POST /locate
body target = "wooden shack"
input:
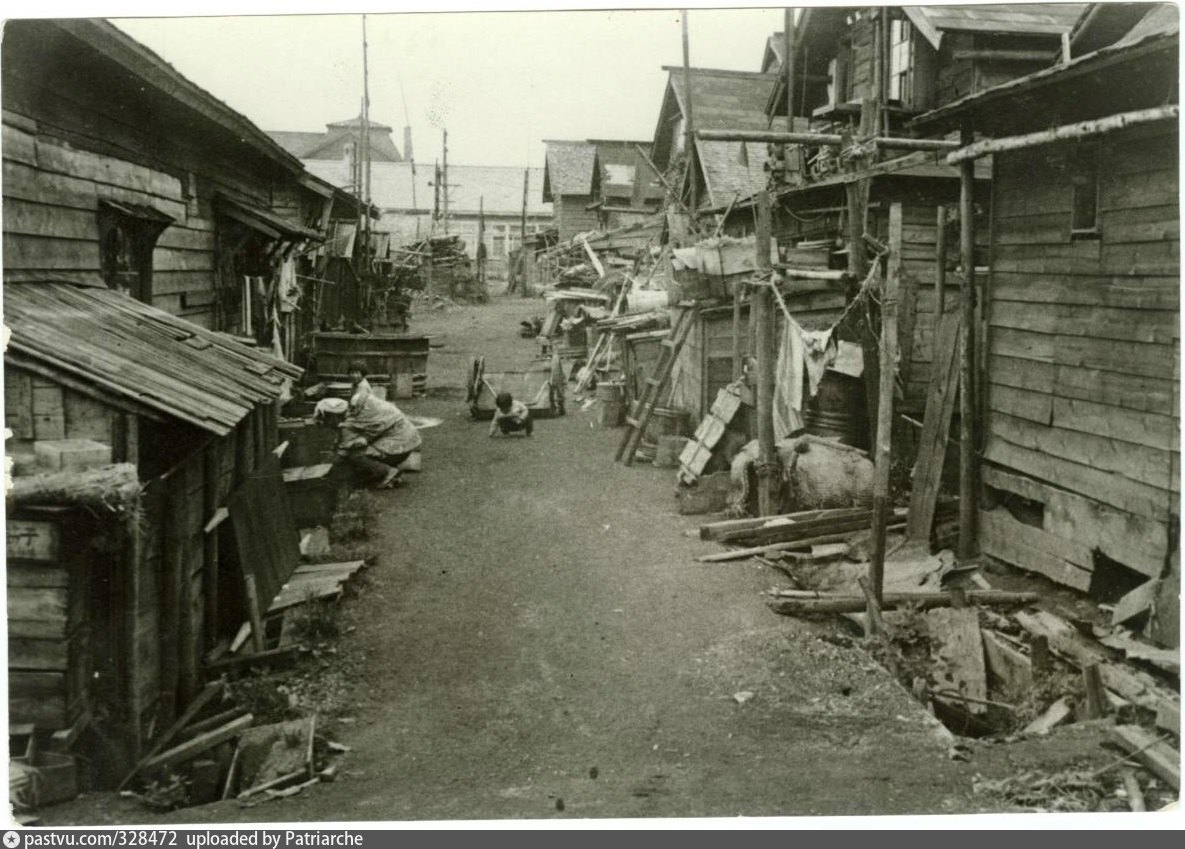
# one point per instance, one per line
(146, 226)
(112, 610)
(570, 183)
(1081, 404)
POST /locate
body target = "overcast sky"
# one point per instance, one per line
(499, 82)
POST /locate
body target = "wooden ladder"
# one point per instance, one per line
(671, 346)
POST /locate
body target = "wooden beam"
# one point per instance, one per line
(1007, 55)
(887, 143)
(208, 693)
(884, 407)
(688, 118)
(812, 273)
(891, 601)
(1153, 752)
(967, 459)
(1082, 129)
(190, 749)
(762, 304)
(771, 137)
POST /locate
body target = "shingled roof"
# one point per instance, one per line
(138, 354)
(1154, 35)
(1030, 18)
(568, 169)
(724, 100)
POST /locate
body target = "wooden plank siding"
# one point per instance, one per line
(571, 217)
(1083, 339)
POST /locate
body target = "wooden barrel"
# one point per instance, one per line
(612, 402)
(839, 409)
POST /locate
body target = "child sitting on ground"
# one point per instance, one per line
(511, 416)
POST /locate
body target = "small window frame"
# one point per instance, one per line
(1084, 175)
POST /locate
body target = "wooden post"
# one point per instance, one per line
(444, 180)
(1096, 698)
(1039, 658)
(788, 28)
(211, 468)
(739, 338)
(939, 268)
(967, 465)
(884, 408)
(762, 305)
(857, 203)
(523, 224)
(688, 123)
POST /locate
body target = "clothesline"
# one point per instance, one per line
(864, 293)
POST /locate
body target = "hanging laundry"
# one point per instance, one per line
(287, 289)
(788, 378)
(820, 352)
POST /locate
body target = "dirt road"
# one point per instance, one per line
(536, 641)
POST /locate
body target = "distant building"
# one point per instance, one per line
(599, 184)
(340, 138)
(407, 196)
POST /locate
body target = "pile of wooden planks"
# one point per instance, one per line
(795, 531)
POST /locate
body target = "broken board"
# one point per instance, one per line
(266, 536)
(956, 647)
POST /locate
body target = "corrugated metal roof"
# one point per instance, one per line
(569, 168)
(140, 353)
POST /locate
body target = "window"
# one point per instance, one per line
(1084, 178)
(127, 237)
(901, 61)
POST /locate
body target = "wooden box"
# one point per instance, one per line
(312, 494)
(62, 455)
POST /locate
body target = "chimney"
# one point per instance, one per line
(407, 154)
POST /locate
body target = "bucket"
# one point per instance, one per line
(667, 421)
(839, 409)
(666, 454)
(612, 402)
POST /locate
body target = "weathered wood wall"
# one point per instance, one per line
(177, 590)
(49, 657)
(571, 217)
(38, 408)
(169, 601)
(1082, 360)
(70, 141)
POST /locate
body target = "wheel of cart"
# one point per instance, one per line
(540, 386)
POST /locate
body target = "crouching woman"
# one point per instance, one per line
(372, 440)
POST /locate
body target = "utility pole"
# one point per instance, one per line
(365, 140)
(688, 123)
(526, 182)
(444, 187)
(789, 69)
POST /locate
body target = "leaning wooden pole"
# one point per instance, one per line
(967, 465)
(884, 408)
(688, 121)
(765, 317)
(789, 66)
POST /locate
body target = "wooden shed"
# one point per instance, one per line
(570, 183)
(146, 226)
(1080, 428)
(111, 611)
